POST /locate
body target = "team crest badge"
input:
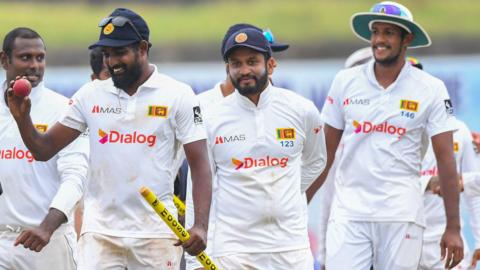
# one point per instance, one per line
(108, 29)
(240, 38)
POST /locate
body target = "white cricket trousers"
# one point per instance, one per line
(357, 245)
(58, 254)
(301, 259)
(99, 251)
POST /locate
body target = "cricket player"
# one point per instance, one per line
(208, 100)
(36, 207)
(99, 69)
(324, 196)
(267, 147)
(434, 210)
(137, 120)
(382, 111)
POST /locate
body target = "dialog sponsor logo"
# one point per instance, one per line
(126, 138)
(106, 110)
(228, 139)
(15, 153)
(368, 127)
(429, 172)
(267, 161)
(329, 100)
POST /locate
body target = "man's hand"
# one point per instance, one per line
(197, 242)
(475, 258)
(451, 247)
(434, 185)
(35, 239)
(19, 106)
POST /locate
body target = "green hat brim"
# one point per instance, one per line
(361, 21)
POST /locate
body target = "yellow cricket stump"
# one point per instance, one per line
(174, 225)
(179, 204)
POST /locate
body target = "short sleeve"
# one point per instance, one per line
(440, 118)
(73, 116)
(332, 112)
(188, 119)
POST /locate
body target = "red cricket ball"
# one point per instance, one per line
(22, 87)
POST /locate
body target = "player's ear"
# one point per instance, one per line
(271, 64)
(4, 59)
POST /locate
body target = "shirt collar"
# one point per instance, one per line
(263, 101)
(373, 80)
(154, 81)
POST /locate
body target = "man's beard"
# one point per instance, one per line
(389, 61)
(260, 83)
(129, 77)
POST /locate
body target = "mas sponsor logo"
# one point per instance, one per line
(267, 161)
(317, 130)
(42, 128)
(409, 105)
(356, 101)
(448, 106)
(197, 115)
(126, 138)
(158, 111)
(15, 153)
(106, 110)
(285, 134)
(229, 139)
(368, 127)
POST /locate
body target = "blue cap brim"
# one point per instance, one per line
(240, 45)
(107, 42)
(279, 47)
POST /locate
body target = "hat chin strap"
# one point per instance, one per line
(370, 24)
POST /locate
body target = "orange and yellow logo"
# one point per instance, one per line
(108, 29)
(409, 105)
(285, 134)
(158, 111)
(42, 128)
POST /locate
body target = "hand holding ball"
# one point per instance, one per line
(22, 88)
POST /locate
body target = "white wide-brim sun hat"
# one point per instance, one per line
(389, 12)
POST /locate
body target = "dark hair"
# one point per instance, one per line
(96, 60)
(20, 32)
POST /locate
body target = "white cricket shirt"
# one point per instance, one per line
(466, 162)
(134, 141)
(378, 174)
(31, 187)
(261, 154)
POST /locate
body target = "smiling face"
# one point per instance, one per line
(248, 70)
(27, 59)
(124, 65)
(389, 43)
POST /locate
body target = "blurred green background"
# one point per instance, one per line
(191, 30)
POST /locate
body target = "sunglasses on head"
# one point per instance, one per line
(267, 33)
(120, 22)
(388, 9)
